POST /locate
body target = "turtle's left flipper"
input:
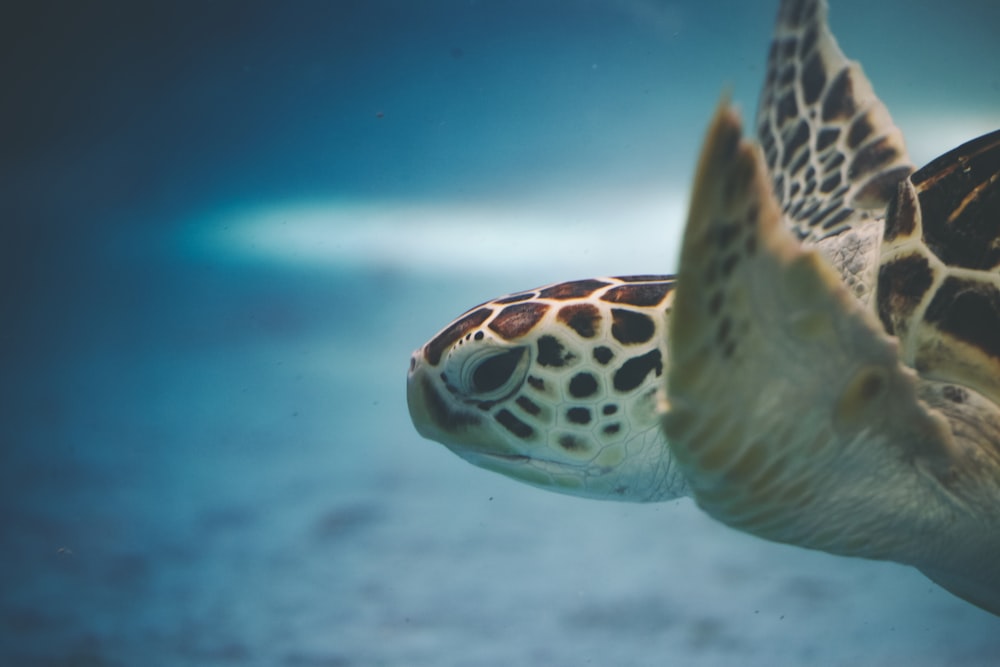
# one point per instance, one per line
(834, 155)
(787, 405)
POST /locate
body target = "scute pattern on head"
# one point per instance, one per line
(564, 373)
(517, 319)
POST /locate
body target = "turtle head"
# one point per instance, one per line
(557, 387)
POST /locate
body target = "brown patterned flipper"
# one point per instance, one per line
(788, 409)
(833, 152)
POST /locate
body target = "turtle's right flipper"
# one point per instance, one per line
(787, 406)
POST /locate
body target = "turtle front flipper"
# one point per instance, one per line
(832, 149)
(787, 406)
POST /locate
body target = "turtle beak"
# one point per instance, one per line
(464, 431)
(432, 415)
(417, 389)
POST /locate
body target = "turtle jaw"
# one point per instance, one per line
(440, 420)
(465, 434)
(639, 472)
(431, 415)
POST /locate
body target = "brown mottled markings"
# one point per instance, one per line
(832, 161)
(611, 429)
(827, 136)
(645, 278)
(800, 162)
(572, 290)
(552, 353)
(842, 214)
(787, 75)
(639, 294)
(767, 143)
(808, 42)
(902, 283)
(441, 413)
(455, 331)
(872, 157)
(536, 383)
(795, 141)
(860, 130)
(881, 187)
(787, 47)
(796, 209)
(964, 158)
(830, 183)
(839, 103)
(631, 328)
(515, 298)
(901, 215)
(797, 13)
(969, 311)
(779, 191)
(960, 202)
(578, 416)
(820, 217)
(571, 443)
(603, 355)
(528, 405)
(582, 385)
(787, 107)
(583, 318)
(518, 319)
(634, 371)
(810, 178)
(507, 419)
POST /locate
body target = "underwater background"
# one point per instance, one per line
(225, 225)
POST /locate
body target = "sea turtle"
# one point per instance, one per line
(823, 371)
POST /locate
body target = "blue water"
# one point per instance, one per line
(226, 225)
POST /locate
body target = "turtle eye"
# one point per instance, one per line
(494, 372)
(492, 375)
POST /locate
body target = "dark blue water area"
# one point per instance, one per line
(224, 226)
